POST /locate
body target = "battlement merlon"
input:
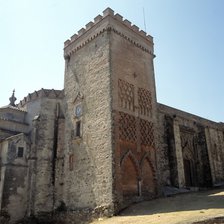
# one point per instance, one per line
(48, 93)
(113, 22)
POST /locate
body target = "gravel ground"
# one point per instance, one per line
(205, 207)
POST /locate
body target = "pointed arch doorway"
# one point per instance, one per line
(129, 171)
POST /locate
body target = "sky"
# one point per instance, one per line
(188, 43)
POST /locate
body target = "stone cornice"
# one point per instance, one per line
(132, 41)
(107, 13)
(9, 107)
(13, 121)
(48, 93)
(176, 113)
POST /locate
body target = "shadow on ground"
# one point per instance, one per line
(218, 220)
(213, 199)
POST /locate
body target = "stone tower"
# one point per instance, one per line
(110, 105)
(103, 142)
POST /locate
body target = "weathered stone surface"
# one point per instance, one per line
(88, 72)
(104, 141)
(201, 151)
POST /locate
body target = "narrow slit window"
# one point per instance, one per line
(78, 128)
(71, 162)
(20, 152)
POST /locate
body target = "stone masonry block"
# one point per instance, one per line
(107, 12)
(89, 25)
(67, 42)
(97, 18)
(74, 37)
(135, 28)
(143, 33)
(128, 23)
(119, 17)
(81, 31)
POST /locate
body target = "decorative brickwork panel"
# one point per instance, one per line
(146, 130)
(144, 101)
(126, 95)
(127, 127)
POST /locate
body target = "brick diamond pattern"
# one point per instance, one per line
(127, 127)
(144, 101)
(146, 130)
(126, 95)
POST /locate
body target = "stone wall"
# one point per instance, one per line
(43, 160)
(8, 127)
(134, 114)
(194, 149)
(59, 163)
(165, 155)
(104, 142)
(215, 142)
(32, 103)
(88, 150)
(14, 177)
(12, 121)
(13, 114)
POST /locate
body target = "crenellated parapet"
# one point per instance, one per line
(108, 22)
(49, 93)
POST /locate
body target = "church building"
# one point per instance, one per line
(103, 142)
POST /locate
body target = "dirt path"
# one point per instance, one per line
(179, 209)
